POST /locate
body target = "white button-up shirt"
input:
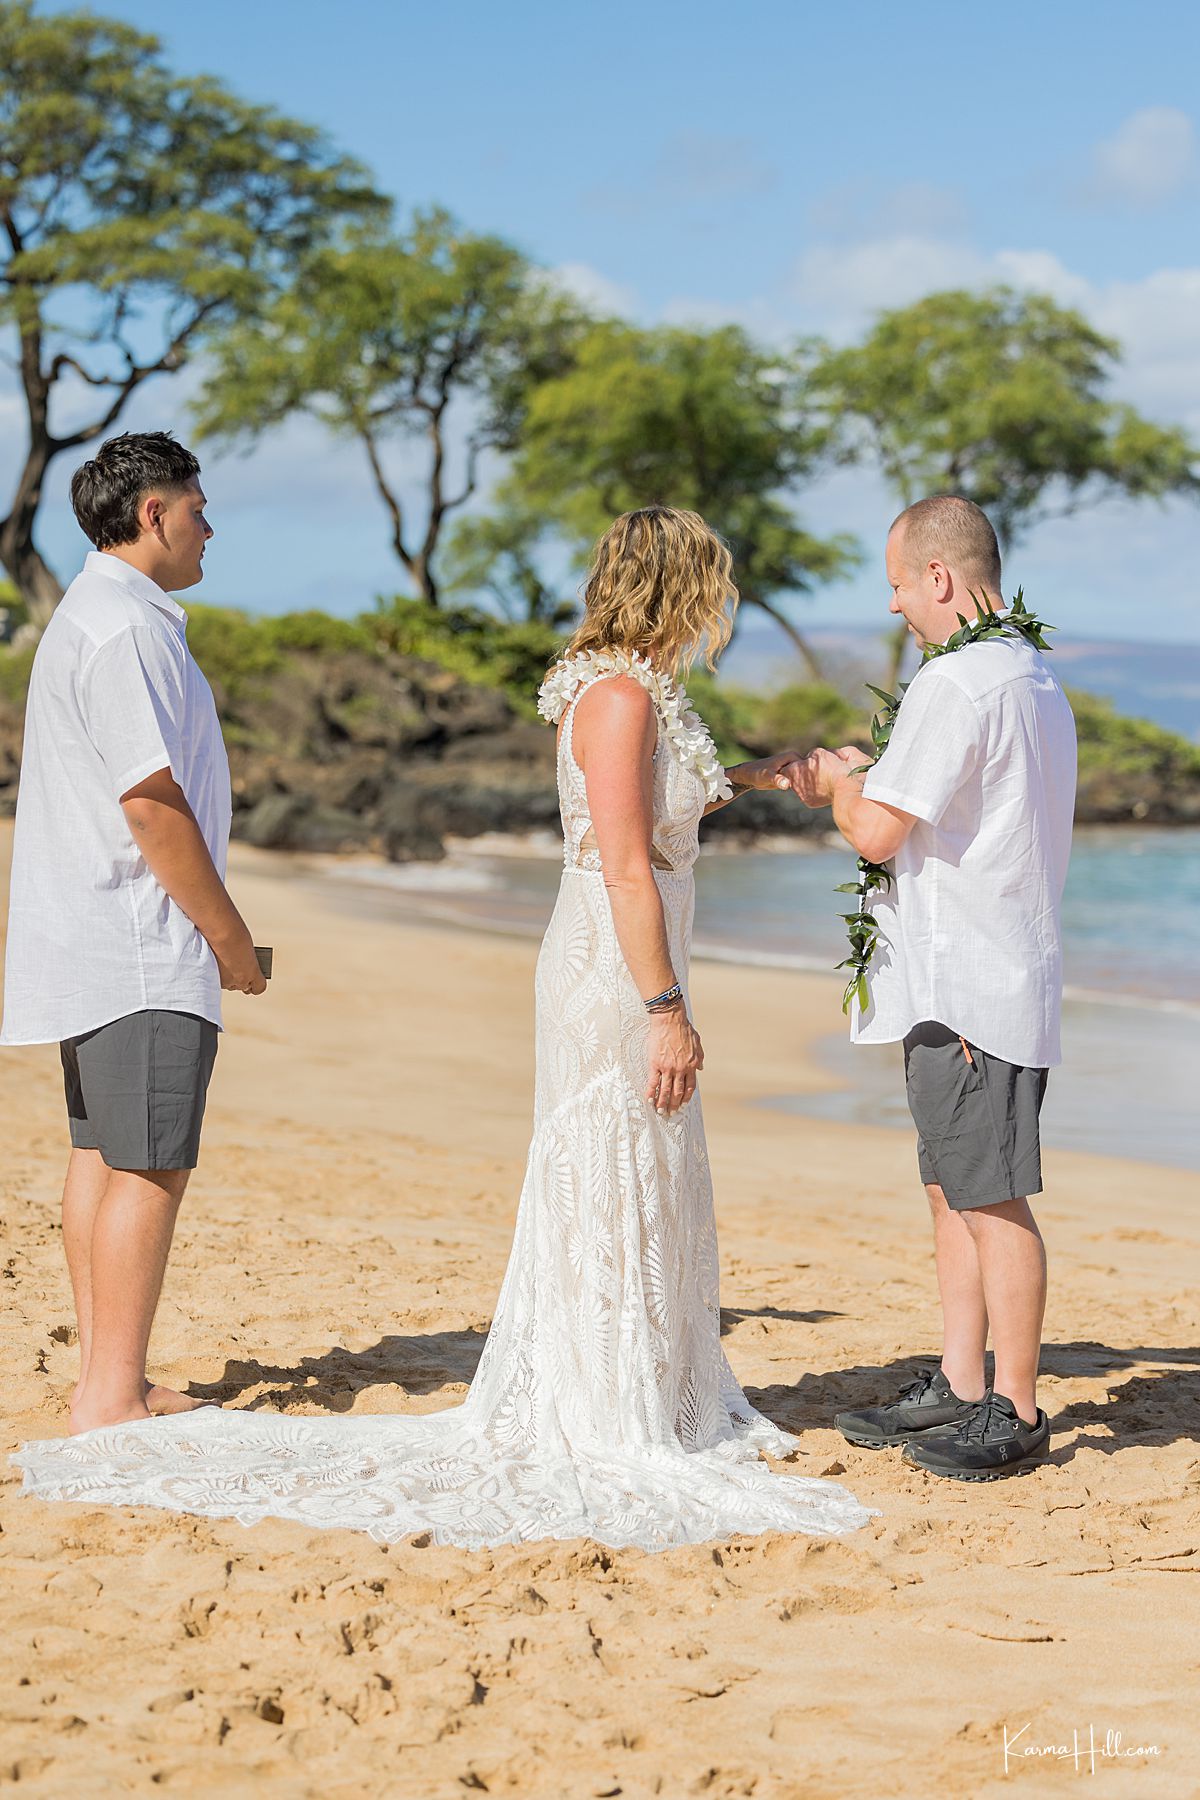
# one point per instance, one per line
(983, 753)
(115, 695)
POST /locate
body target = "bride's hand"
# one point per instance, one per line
(676, 1058)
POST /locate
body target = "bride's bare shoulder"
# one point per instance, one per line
(616, 710)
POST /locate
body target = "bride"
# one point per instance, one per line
(603, 1405)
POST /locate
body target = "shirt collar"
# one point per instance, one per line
(115, 568)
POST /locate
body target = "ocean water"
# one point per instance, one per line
(1131, 925)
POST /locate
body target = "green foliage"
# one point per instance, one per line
(235, 651)
(497, 554)
(319, 633)
(1111, 744)
(129, 182)
(140, 210)
(13, 611)
(803, 717)
(378, 337)
(473, 644)
(698, 419)
(731, 714)
(15, 667)
(746, 725)
(999, 397)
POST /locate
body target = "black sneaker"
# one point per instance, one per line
(992, 1443)
(927, 1404)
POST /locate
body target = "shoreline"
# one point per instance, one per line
(1100, 1099)
(1124, 1088)
(431, 888)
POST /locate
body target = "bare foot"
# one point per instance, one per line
(163, 1401)
(90, 1418)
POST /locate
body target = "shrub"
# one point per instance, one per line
(1111, 744)
(801, 718)
(476, 645)
(14, 673)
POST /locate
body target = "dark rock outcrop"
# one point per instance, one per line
(349, 750)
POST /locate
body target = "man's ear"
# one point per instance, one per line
(941, 578)
(152, 510)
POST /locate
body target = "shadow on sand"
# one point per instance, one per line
(1151, 1409)
(334, 1380)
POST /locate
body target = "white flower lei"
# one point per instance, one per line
(687, 734)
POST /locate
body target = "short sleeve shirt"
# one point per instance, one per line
(983, 754)
(115, 695)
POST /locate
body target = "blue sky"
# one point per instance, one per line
(792, 168)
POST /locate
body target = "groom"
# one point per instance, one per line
(121, 933)
(971, 805)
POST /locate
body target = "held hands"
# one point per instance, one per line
(813, 778)
(676, 1057)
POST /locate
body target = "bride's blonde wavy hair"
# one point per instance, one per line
(660, 583)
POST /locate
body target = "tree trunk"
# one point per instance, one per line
(35, 580)
(798, 640)
(897, 643)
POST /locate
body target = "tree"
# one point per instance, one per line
(136, 211)
(383, 336)
(498, 554)
(1002, 398)
(697, 419)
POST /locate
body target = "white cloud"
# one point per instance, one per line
(838, 287)
(1150, 158)
(594, 289)
(837, 290)
(1157, 323)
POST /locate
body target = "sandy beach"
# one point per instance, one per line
(341, 1249)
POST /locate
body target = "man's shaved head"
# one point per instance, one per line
(956, 532)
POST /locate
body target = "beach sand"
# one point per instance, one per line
(341, 1249)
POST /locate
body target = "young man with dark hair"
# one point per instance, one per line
(121, 933)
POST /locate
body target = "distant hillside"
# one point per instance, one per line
(1159, 682)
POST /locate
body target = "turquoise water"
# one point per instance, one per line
(1131, 912)
(1131, 928)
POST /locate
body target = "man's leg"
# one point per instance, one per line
(131, 1238)
(1012, 1265)
(87, 1179)
(964, 1308)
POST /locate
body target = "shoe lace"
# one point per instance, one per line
(978, 1423)
(916, 1390)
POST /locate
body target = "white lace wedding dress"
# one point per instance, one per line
(603, 1406)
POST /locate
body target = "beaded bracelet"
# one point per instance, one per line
(664, 1001)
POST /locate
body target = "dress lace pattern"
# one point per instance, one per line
(603, 1405)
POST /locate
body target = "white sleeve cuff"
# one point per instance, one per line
(920, 809)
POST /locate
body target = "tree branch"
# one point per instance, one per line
(389, 500)
(63, 361)
(170, 359)
(473, 450)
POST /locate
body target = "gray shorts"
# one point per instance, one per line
(136, 1088)
(977, 1121)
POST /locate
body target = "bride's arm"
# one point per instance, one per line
(743, 778)
(613, 738)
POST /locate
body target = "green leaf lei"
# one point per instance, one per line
(862, 929)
